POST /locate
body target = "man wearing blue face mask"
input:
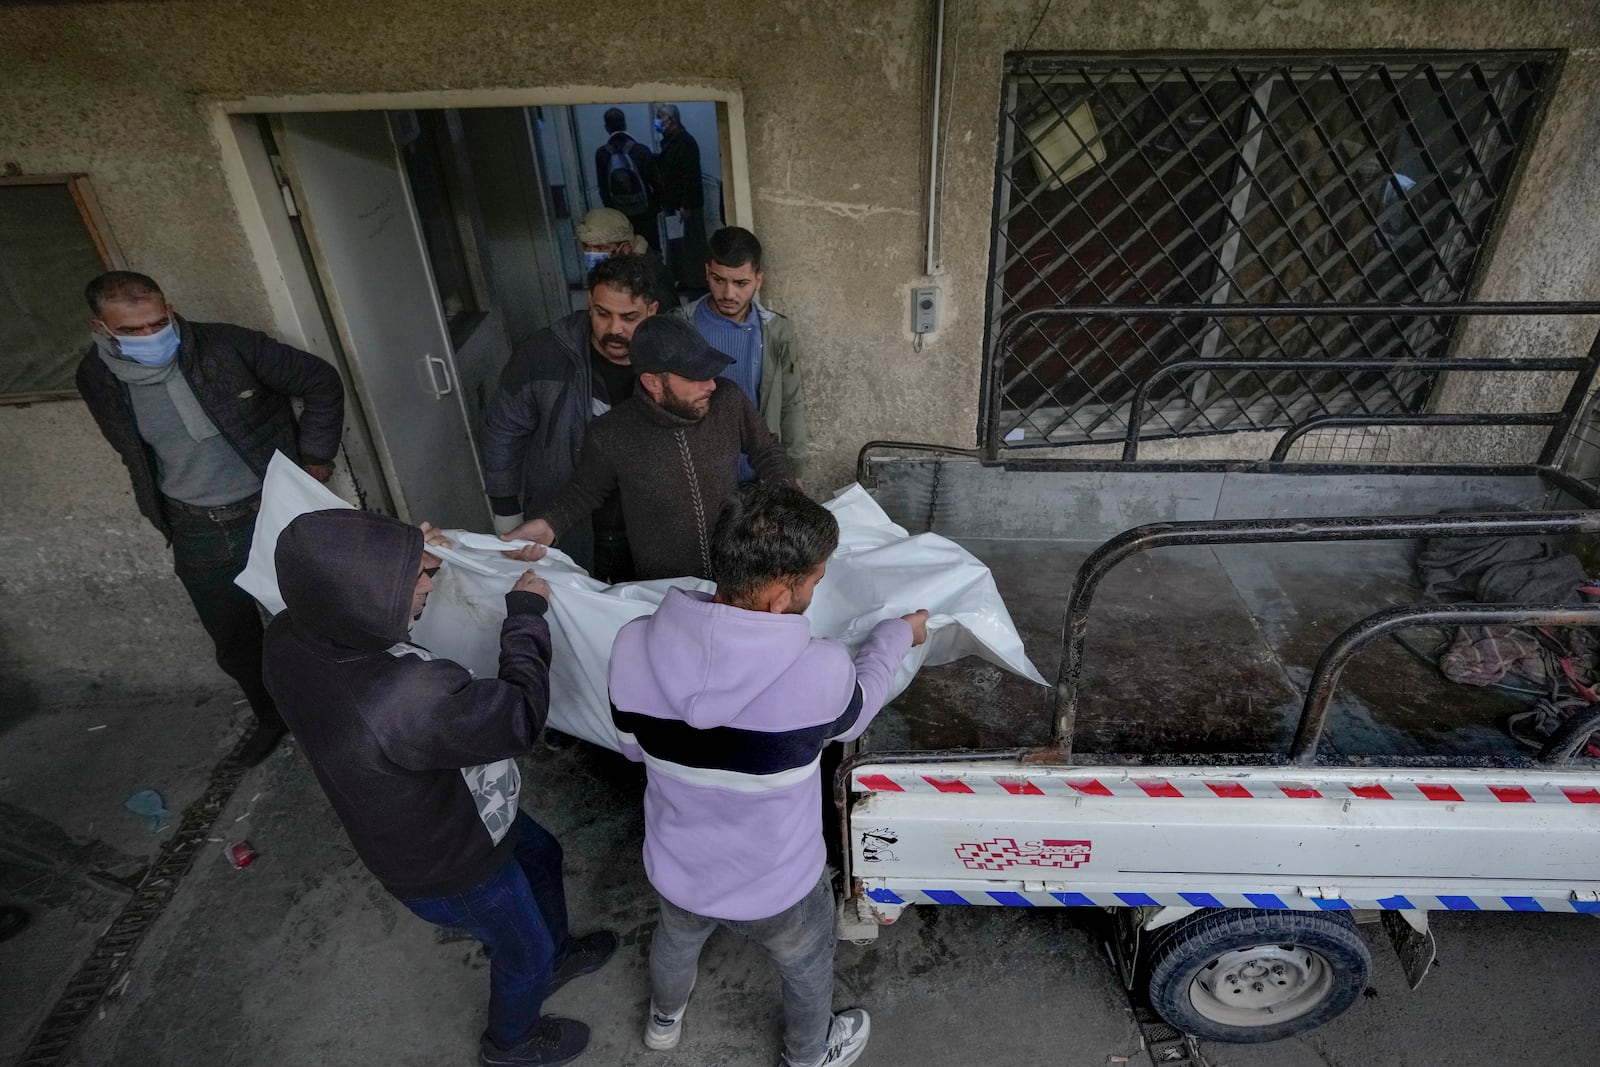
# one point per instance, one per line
(196, 410)
(606, 232)
(682, 198)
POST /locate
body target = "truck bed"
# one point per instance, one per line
(1195, 650)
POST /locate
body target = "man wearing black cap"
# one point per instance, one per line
(671, 452)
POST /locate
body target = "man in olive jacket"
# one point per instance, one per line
(196, 410)
(760, 341)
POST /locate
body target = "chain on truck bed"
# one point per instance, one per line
(113, 953)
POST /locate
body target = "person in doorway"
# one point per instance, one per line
(417, 758)
(625, 172)
(730, 695)
(682, 198)
(760, 341)
(604, 233)
(553, 384)
(196, 410)
(670, 454)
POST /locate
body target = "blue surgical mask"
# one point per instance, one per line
(152, 350)
(591, 260)
(660, 126)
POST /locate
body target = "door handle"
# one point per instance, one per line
(433, 379)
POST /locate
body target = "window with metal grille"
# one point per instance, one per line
(1264, 179)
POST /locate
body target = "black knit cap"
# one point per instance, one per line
(666, 344)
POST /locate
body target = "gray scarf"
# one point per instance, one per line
(194, 417)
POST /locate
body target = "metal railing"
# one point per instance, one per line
(1069, 678)
(1210, 179)
(1188, 374)
(1325, 676)
(1568, 461)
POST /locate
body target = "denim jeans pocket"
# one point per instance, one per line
(199, 545)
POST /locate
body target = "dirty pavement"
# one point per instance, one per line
(300, 959)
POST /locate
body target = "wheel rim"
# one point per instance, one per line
(1261, 984)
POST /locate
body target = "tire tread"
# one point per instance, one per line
(1177, 952)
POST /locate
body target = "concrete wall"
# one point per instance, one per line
(834, 103)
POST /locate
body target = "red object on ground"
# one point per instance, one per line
(240, 854)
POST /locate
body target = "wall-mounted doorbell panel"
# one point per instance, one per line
(924, 310)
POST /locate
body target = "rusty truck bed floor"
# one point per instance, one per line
(1204, 650)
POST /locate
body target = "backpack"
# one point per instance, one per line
(624, 184)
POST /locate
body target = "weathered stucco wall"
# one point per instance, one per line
(834, 98)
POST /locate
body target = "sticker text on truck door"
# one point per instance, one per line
(1004, 852)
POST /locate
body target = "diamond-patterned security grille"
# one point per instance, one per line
(1206, 180)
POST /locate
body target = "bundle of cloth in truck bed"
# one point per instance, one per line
(1558, 666)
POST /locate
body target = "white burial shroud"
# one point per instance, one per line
(878, 572)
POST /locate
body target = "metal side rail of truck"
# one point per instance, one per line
(1247, 748)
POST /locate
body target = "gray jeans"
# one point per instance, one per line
(800, 941)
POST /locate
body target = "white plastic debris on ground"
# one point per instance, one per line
(879, 572)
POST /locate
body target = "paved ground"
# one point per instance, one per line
(301, 960)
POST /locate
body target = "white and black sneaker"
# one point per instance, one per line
(847, 1040)
(662, 1031)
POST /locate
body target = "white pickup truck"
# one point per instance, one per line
(1238, 758)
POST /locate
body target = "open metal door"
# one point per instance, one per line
(361, 222)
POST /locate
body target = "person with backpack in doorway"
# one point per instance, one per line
(625, 172)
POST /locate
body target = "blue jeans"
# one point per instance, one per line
(520, 914)
(800, 941)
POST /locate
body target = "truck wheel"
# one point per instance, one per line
(1242, 976)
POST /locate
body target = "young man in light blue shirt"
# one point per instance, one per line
(760, 341)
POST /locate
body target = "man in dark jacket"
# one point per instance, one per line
(682, 198)
(416, 757)
(553, 384)
(196, 410)
(625, 172)
(670, 453)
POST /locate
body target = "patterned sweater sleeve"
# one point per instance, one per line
(592, 481)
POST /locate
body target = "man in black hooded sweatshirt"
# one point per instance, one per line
(416, 756)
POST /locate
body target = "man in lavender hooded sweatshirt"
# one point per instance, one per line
(729, 702)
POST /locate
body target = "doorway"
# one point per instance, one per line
(416, 246)
(576, 144)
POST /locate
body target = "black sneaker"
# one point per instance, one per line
(557, 1040)
(258, 744)
(583, 955)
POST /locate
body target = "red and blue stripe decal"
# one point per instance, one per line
(897, 780)
(967, 897)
